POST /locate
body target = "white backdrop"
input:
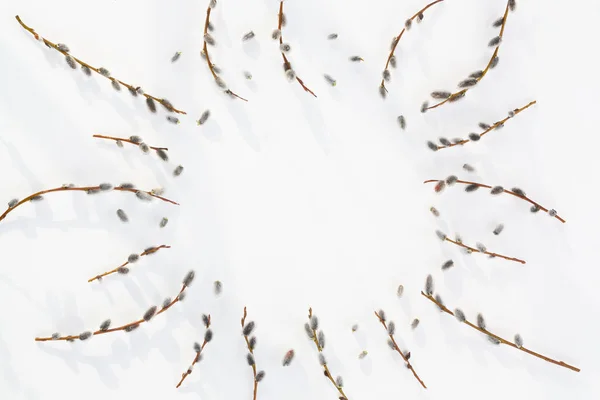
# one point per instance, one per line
(296, 202)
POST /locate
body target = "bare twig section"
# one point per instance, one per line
(390, 328)
(103, 187)
(318, 339)
(209, 40)
(495, 190)
(72, 61)
(208, 335)
(287, 66)
(479, 249)
(495, 339)
(475, 137)
(122, 269)
(247, 329)
(391, 60)
(475, 77)
(148, 315)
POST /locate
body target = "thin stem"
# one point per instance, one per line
(474, 250)
(527, 199)
(208, 62)
(117, 139)
(131, 88)
(286, 62)
(119, 328)
(251, 352)
(315, 340)
(420, 12)
(463, 92)
(146, 252)
(491, 128)
(397, 348)
(91, 189)
(196, 359)
(502, 340)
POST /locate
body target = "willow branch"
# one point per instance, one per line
(148, 316)
(211, 67)
(125, 140)
(477, 137)
(120, 268)
(132, 89)
(479, 76)
(250, 344)
(89, 189)
(286, 63)
(198, 349)
(418, 16)
(317, 339)
(405, 358)
(514, 192)
(480, 248)
(497, 338)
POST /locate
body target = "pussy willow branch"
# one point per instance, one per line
(527, 199)
(117, 139)
(489, 253)
(461, 93)
(80, 189)
(491, 128)
(420, 12)
(146, 252)
(285, 59)
(255, 392)
(196, 358)
(408, 364)
(119, 328)
(315, 340)
(208, 62)
(503, 341)
(131, 88)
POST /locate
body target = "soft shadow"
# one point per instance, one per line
(314, 117)
(252, 48)
(240, 115)
(212, 131)
(366, 366)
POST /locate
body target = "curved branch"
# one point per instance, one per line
(502, 340)
(315, 338)
(211, 67)
(478, 77)
(89, 189)
(405, 358)
(148, 251)
(132, 89)
(286, 63)
(536, 206)
(497, 124)
(105, 326)
(474, 250)
(419, 15)
(199, 349)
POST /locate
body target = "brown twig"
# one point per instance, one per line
(117, 139)
(499, 339)
(132, 89)
(105, 326)
(198, 349)
(418, 16)
(514, 192)
(211, 66)
(251, 343)
(477, 136)
(119, 269)
(286, 63)
(481, 249)
(318, 339)
(480, 74)
(89, 189)
(390, 332)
